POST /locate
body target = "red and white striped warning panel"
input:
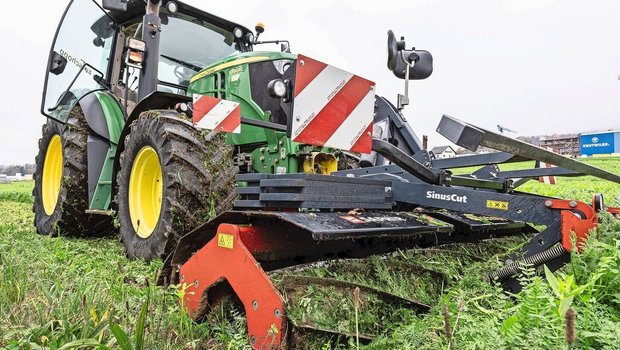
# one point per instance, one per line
(546, 179)
(332, 107)
(217, 114)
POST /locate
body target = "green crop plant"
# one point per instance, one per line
(83, 293)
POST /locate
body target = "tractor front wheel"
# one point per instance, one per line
(171, 180)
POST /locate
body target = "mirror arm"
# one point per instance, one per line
(404, 100)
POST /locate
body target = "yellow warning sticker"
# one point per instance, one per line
(225, 240)
(497, 205)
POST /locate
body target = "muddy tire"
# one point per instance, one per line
(61, 181)
(193, 182)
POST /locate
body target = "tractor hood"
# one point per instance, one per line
(241, 59)
(244, 78)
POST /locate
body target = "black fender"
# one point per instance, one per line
(156, 100)
(100, 137)
(95, 117)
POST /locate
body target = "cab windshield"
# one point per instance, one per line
(187, 45)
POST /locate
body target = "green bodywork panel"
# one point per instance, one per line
(115, 119)
(271, 149)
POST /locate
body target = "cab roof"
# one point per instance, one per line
(137, 8)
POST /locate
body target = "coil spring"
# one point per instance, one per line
(535, 260)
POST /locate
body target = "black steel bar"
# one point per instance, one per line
(476, 160)
(538, 172)
(323, 197)
(382, 169)
(457, 180)
(256, 177)
(263, 124)
(471, 137)
(446, 163)
(478, 183)
(403, 160)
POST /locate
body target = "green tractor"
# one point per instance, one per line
(120, 150)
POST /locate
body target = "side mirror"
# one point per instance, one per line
(104, 28)
(115, 5)
(57, 64)
(394, 47)
(422, 69)
(398, 57)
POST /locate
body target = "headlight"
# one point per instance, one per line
(172, 7)
(277, 88)
(238, 33)
(249, 37)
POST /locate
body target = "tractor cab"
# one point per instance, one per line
(93, 48)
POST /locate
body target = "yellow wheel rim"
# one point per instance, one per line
(145, 192)
(52, 175)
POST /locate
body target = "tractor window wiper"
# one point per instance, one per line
(184, 63)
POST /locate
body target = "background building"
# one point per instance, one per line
(441, 152)
(599, 143)
(567, 145)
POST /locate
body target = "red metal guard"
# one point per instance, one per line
(226, 257)
(572, 223)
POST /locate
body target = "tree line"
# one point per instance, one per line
(11, 170)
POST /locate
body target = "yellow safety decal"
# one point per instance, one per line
(217, 68)
(497, 205)
(224, 240)
(273, 330)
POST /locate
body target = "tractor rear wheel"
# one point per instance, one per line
(171, 180)
(61, 181)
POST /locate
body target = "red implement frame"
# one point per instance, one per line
(226, 257)
(574, 223)
(614, 211)
(231, 255)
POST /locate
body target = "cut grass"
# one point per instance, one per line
(58, 291)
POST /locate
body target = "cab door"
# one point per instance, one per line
(79, 61)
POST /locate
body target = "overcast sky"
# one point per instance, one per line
(535, 66)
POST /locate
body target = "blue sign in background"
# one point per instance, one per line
(597, 144)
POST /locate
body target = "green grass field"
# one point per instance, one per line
(68, 293)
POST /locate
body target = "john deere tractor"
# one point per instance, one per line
(120, 149)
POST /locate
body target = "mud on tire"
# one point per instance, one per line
(68, 217)
(197, 177)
